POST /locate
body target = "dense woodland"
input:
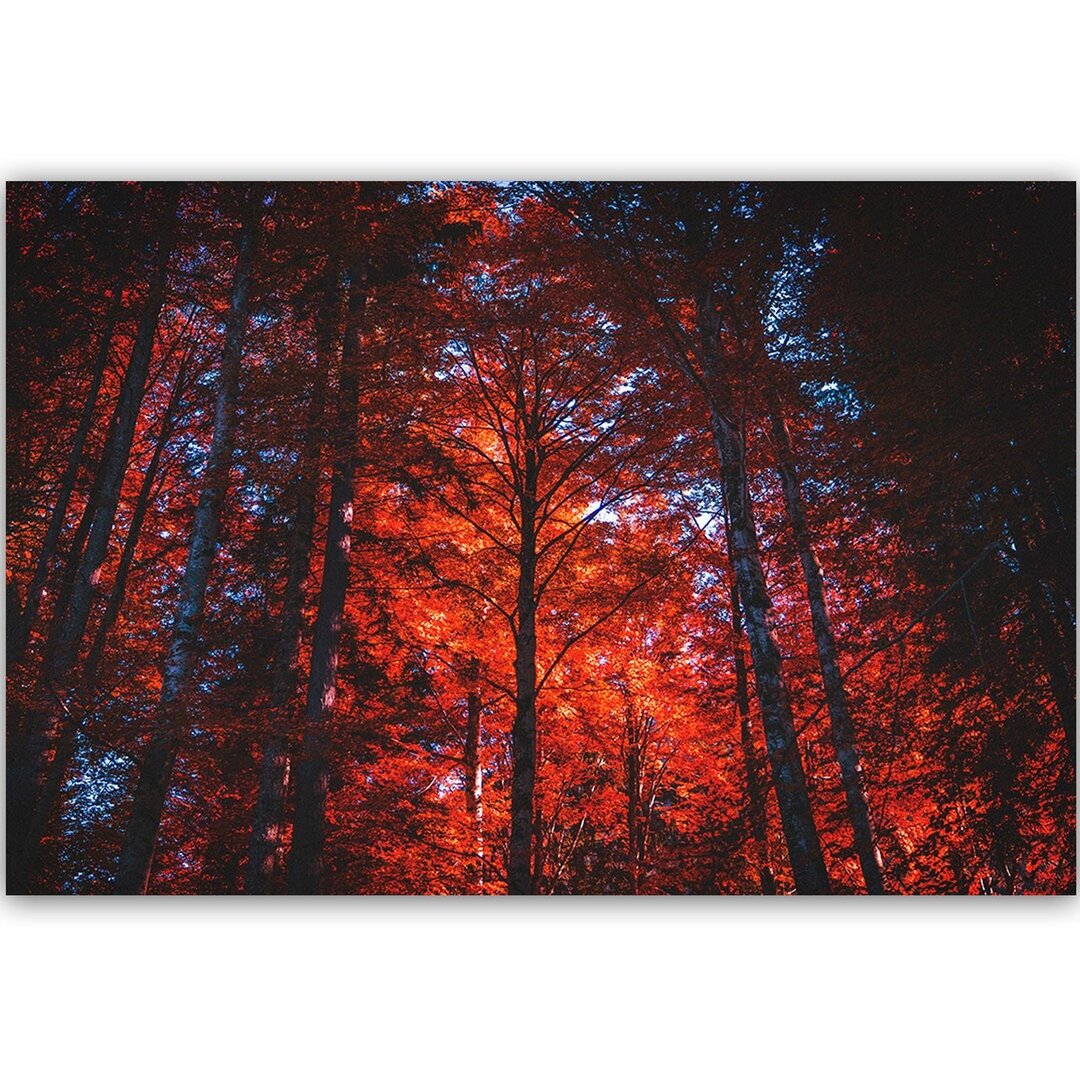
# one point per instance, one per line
(541, 538)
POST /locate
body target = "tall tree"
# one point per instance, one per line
(136, 855)
(542, 436)
(312, 775)
(842, 725)
(267, 850)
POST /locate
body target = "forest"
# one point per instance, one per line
(540, 538)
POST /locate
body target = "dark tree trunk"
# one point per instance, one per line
(842, 727)
(14, 607)
(131, 541)
(789, 779)
(474, 788)
(755, 787)
(72, 560)
(137, 852)
(633, 803)
(25, 624)
(305, 869)
(266, 854)
(267, 847)
(523, 783)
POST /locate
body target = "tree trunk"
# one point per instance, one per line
(842, 728)
(14, 607)
(789, 780)
(523, 783)
(131, 542)
(28, 766)
(633, 803)
(755, 789)
(47, 554)
(267, 848)
(305, 870)
(474, 788)
(70, 570)
(266, 854)
(137, 852)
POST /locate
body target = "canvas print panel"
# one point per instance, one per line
(541, 538)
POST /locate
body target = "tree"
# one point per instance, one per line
(137, 853)
(266, 852)
(539, 417)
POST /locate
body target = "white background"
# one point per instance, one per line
(571, 987)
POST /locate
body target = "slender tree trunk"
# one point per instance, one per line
(137, 852)
(305, 868)
(72, 560)
(842, 727)
(789, 780)
(523, 783)
(267, 848)
(50, 794)
(131, 541)
(58, 517)
(474, 787)
(755, 788)
(633, 803)
(28, 767)
(266, 854)
(14, 608)
(539, 850)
